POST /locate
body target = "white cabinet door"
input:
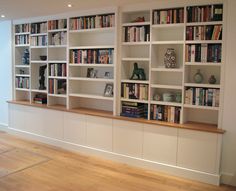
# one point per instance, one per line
(127, 138)
(160, 144)
(75, 128)
(99, 132)
(198, 150)
(53, 124)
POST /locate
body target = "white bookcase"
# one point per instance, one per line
(170, 28)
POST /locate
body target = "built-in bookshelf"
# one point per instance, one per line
(203, 53)
(78, 56)
(194, 35)
(92, 61)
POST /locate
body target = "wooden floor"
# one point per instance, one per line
(30, 166)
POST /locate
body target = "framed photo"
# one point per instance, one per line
(108, 91)
(91, 73)
(107, 75)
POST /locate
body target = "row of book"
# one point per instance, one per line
(22, 39)
(57, 24)
(57, 86)
(205, 13)
(133, 109)
(166, 113)
(22, 28)
(40, 98)
(57, 69)
(203, 53)
(92, 56)
(169, 16)
(58, 38)
(38, 40)
(202, 96)
(136, 34)
(209, 32)
(134, 91)
(91, 22)
(38, 28)
(22, 82)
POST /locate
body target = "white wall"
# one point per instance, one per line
(5, 70)
(228, 164)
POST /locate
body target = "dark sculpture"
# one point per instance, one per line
(25, 57)
(42, 77)
(138, 72)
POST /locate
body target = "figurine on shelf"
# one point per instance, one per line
(138, 72)
(25, 57)
(42, 77)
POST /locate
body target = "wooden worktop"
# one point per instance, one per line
(99, 113)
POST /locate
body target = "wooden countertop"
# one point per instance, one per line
(100, 113)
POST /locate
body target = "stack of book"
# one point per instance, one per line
(57, 24)
(59, 38)
(22, 28)
(57, 69)
(169, 16)
(134, 91)
(40, 98)
(136, 34)
(135, 110)
(38, 28)
(22, 39)
(22, 82)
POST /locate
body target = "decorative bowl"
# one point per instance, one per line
(43, 57)
(167, 97)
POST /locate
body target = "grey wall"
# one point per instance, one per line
(5, 70)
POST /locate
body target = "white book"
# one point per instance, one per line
(193, 52)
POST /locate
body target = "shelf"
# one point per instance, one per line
(166, 86)
(21, 45)
(168, 25)
(136, 59)
(203, 41)
(202, 85)
(202, 64)
(22, 33)
(135, 43)
(92, 47)
(22, 75)
(39, 34)
(91, 96)
(58, 95)
(22, 89)
(166, 103)
(168, 42)
(134, 100)
(167, 70)
(205, 23)
(38, 62)
(201, 107)
(38, 46)
(57, 77)
(57, 46)
(91, 79)
(135, 24)
(57, 30)
(135, 81)
(22, 66)
(105, 29)
(92, 65)
(57, 61)
(39, 91)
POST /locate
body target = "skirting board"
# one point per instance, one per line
(3, 127)
(229, 179)
(141, 163)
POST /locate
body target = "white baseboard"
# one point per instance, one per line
(228, 178)
(3, 127)
(146, 164)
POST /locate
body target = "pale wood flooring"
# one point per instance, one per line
(31, 166)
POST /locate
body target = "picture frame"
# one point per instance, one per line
(91, 73)
(107, 75)
(108, 91)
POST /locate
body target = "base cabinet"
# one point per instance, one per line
(198, 151)
(187, 153)
(160, 144)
